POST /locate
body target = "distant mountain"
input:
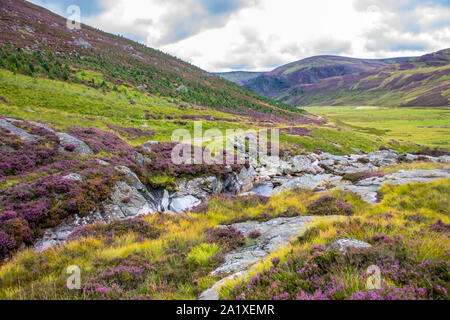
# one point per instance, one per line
(239, 77)
(422, 81)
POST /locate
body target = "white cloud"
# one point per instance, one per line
(221, 35)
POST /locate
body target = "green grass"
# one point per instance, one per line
(417, 125)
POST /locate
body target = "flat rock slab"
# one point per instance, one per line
(275, 234)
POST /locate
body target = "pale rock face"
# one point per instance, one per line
(246, 178)
(444, 159)
(73, 177)
(82, 43)
(368, 189)
(200, 188)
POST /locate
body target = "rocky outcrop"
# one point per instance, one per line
(309, 182)
(201, 188)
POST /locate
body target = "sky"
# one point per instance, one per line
(260, 35)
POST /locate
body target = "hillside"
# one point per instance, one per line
(423, 81)
(310, 70)
(35, 41)
(239, 77)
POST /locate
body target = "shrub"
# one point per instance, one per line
(440, 227)
(117, 278)
(327, 205)
(432, 152)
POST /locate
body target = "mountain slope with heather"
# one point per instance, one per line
(310, 70)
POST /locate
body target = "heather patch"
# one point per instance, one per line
(297, 131)
(436, 152)
(131, 132)
(327, 206)
(117, 278)
(141, 228)
(161, 163)
(30, 207)
(440, 227)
